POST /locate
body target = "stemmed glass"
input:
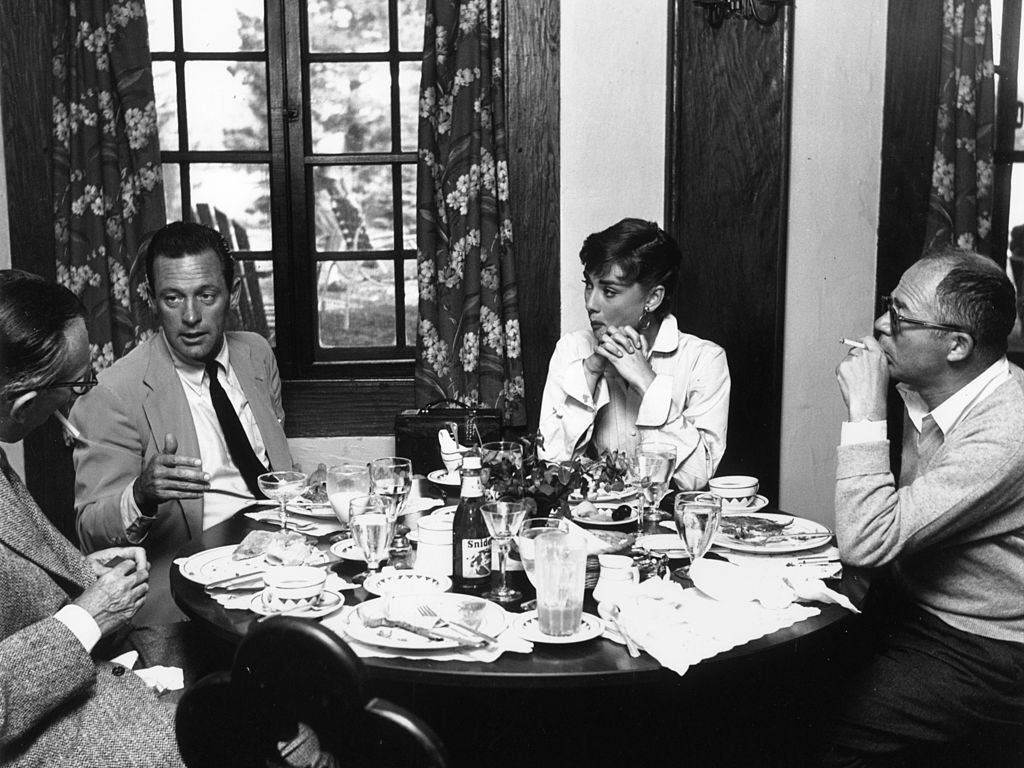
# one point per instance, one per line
(697, 515)
(282, 487)
(526, 543)
(344, 483)
(391, 479)
(502, 470)
(655, 463)
(372, 530)
(503, 519)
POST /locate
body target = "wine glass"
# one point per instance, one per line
(502, 475)
(503, 519)
(344, 483)
(371, 529)
(655, 464)
(391, 479)
(697, 515)
(282, 487)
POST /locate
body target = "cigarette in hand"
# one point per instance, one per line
(853, 343)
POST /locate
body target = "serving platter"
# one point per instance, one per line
(602, 516)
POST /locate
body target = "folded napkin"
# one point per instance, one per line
(681, 627)
(308, 526)
(508, 641)
(241, 599)
(819, 563)
(773, 588)
(158, 678)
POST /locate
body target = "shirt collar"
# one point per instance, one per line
(667, 339)
(953, 408)
(192, 372)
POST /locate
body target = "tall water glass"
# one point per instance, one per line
(391, 479)
(526, 540)
(655, 465)
(371, 530)
(501, 464)
(561, 569)
(697, 515)
(344, 483)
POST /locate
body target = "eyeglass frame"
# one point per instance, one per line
(895, 318)
(77, 387)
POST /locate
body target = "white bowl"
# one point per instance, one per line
(735, 490)
(292, 585)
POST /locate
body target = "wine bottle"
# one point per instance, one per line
(471, 542)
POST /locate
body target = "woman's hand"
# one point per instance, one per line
(626, 349)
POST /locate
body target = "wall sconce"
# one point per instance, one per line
(764, 12)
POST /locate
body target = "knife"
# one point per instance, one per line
(417, 629)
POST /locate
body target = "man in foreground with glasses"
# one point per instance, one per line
(59, 609)
(945, 612)
(178, 430)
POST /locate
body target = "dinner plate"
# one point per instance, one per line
(527, 626)
(666, 543)
(444, 477)
(347, 549)
(329, 603)
(603, 516)
(216, 564)
(475, 612)
(759, 502)
(406, 583)
(799, 535)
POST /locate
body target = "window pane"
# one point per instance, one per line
(172, 190)
(242, 193)
(351, 107)
(412, 302)
(256, 298)
(356, 301)
(160, 18)
(410, 25)
(166, 90)
(409, 206)
(409, 109)
(353, 207)
(222, 25)
(348, 26)
(227, 104)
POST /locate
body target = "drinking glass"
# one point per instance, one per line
(344, 483)
(561, 571)
(503, 519)
(655, 464)
(501, 464)
(371, 529)
(697, 515)
(391, 479)
(282, 487)
(526, 540)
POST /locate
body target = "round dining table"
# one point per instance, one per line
(591, 685)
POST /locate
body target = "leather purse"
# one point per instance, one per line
(416, 430)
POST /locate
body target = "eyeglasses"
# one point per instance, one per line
(76, 387)
(895, 319)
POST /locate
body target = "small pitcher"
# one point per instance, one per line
(617, 578)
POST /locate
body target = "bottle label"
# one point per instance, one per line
(476, 558)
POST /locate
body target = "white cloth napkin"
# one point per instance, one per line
(681, 627)
(158, 678)
(309, 526)
(508, 641)
(772, 587)
(819, 563)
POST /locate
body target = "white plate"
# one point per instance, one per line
(216, 564)
(309, 509)
(602, 517)
(798, 527)
(759, 502)
(406, 583)
(667, 543)
(527, 626)
(604, 498)
(484, 615)
(444, 477)
(330, 602)
(347, 549)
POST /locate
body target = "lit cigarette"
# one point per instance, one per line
(853, 343)
(72, 430)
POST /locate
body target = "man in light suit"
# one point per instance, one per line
(158, 464)
(58, 706)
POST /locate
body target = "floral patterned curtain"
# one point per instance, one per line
(468, 344)
(107, 188)
(960, 210)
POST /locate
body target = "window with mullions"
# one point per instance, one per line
(290, 125)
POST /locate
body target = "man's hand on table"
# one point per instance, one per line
(168, 476)
(119, 591)
(863, 377)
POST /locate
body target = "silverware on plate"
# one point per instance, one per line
(426, 610)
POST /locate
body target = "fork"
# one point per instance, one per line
(428, 612)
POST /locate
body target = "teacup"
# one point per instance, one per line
(734, 490)
(291, 586)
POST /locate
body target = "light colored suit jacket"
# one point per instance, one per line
(124, 420)
(58, 707)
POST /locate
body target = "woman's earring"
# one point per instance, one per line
(645, 319)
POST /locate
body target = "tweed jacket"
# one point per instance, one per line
(59, 707)
(124, 419)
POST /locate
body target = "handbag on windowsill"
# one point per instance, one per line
(416, 430)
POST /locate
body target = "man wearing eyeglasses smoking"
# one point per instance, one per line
(945, 611)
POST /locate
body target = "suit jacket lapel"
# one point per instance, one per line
(252, 380)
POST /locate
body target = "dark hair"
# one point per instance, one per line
(186, 238)
(642, 250)
(35, 314)
(976, 295)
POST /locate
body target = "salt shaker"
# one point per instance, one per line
(401, 552)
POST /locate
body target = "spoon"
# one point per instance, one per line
(610, 612)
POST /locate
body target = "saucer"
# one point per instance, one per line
(527, 626)
(759, 502)
(330, 602)
(444, 477)
(406, 583)
(347, 549)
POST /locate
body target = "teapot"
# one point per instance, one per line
(617, 578)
